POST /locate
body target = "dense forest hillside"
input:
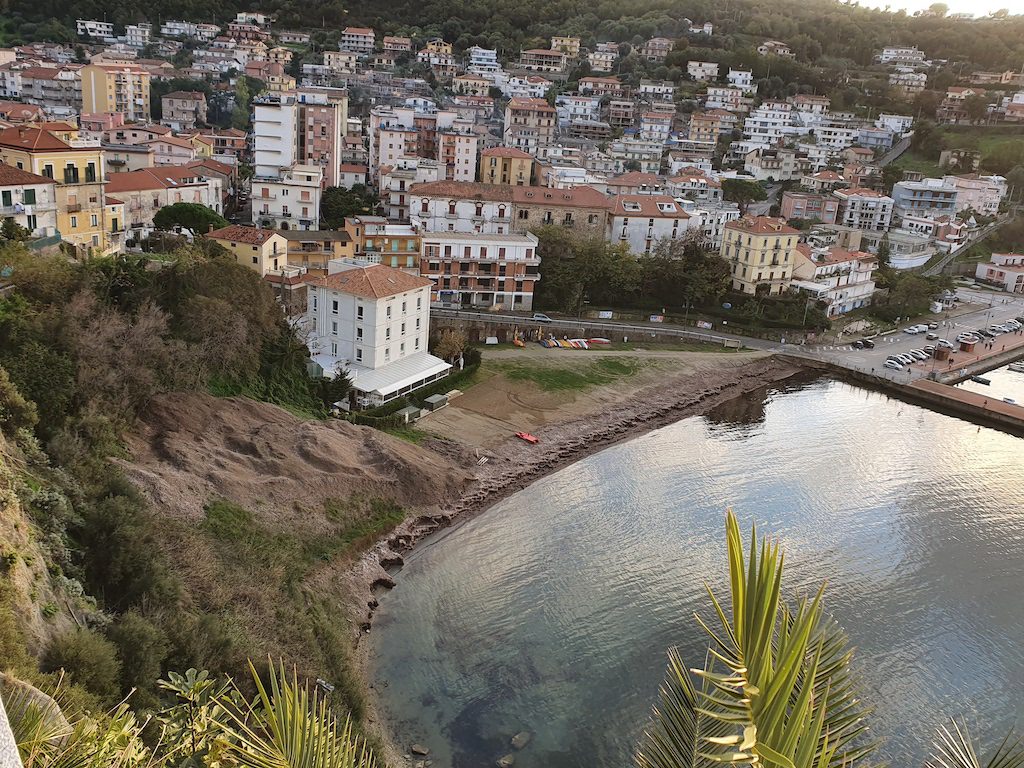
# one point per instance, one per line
(815, 28)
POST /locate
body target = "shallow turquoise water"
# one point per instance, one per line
(551, 612)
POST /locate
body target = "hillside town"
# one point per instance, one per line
(456, 158)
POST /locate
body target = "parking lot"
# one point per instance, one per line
(991, 309)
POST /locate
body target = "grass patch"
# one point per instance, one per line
(554, 378)
(407, 433)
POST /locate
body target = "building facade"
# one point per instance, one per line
(483, 271)
(761, 252)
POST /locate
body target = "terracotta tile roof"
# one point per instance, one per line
(236, 233)
(376, 281)
(15, 110)
(635, 179)
(159, 177)
(692, 175)
(185, 95)
(24, 137)
(175, 141)
(506, 152)
(859, 192)
(521, 102)
(827, 176)
(648, 206)
(212, 165)
(358, 31)
(40, 73)
(11, 176)
(463, 190)
(762, 225)
(577, 197)
(352, 168)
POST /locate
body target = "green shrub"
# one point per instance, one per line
(142, 647)
(88, 660)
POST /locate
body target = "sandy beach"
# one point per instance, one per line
(476, 432)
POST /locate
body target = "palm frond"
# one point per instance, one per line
(954, 748)
(287, 726)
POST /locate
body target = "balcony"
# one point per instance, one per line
(74, 207)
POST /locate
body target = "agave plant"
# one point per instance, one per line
(289, 726)
(776, 687)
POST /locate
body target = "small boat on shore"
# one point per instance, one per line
(1017, 367)
(531, 439)
(980, 380)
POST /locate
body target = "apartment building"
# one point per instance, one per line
(443, 135)
(640, 221)
(570, 46)
(603, 86)
(501, 209)
(262, 250)
(204, 32)
(656, 91)
(97, 30)
(529, 125)
(116, 88)
(528, 87)
(809, 206)
(742, 79)
(905, 55)
(395, 182)
(775, 48)
(620, 113)
(289, 199)
(58, 90)
(705, 126)
(702, 71)
(907, 82)
(342, 62)
(928, 197)
(981, 194)
(1005, 270)
(379, 241)
(77, 167)
(183, 110)
(762, 252)
(360, 40)
(657, 48)
(29, 200)
(481, 271)
(822, 181)
(312, 250)
(694, 184)
(542, 60)
(372, 323)
(725, 97)
(842, 279)
(482, 61)
(397, 45)
(646, 154)
(506, 165)
(602, 58)
(865, 209)
(146, 191)
(171, 150)
(636, 183)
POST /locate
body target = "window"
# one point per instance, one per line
(74, 222)
(451, 207)
(7, 199)
(255, 259)
(424, 207)
(334, 327)
(417, 323)
(388, 311)
(387, 353)
(359, 312)
(359, 355)
(403, 329)
(401, 348)
(334, 306)
(387, 332)
(94, 220)
(359, 334)
(334, 348)
(90, 172)
(29, 198)
(524, 214)
(417, 345)
(31, 222)
(47, 171)
(314, 301)
(419, 303)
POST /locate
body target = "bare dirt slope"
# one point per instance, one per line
(191, 447)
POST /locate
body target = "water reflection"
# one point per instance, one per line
(552, 611)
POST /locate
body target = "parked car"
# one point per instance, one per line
(906, 359)
(858, 344)
(933, 326)
(929, 349)
(868, 343)
(932, 336)
(945, 343)
(893, 365)
(913, 329)
(918, 354)
(540, 317)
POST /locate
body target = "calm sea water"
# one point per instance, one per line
(552, 611)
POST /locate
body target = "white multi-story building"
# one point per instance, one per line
(523, 87)
(529, 125)
(702, 71)
(29, 200)
(602, 58)
(656, 90)
(483, 271)
(768, 124)
(841, 278)
(655, 127)
(1005, 270)
(574, 106)
(137, 35)
(642, 220)
(898, 124)
(712, 217)
(908, 82)
(97, 30)
(372, 323)
(901, 54)
(836, 137)
(396, 180)
(289, 199)
(629, 151)
(361, 40)
(482, 61)
(742, 79)
(865, 209)
(981, 194)
(694, 184)
(724, 97)
(928, 197)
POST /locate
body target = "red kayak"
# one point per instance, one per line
(532, 439)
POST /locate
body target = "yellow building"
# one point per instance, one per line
(262, 250)
(377, 240)
(77, 167)
(116, 88)
(312, 249)
(570, 46)
(437, 45)
(506, 165)
(762, 253)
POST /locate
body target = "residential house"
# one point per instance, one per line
(481, 271)
(262, 250)
(762, 254)
(570, 46)
(397, 45)
(529, 125)
(603, 86)
(289, 199)
(172, 150)
(58, 90)
(602, 58)
(930, 197)
(657, 48)
(907, 82)
(775, 48)
(122, 158)
(636, 183)
(183, 110)
(542, 60)
(640, 221)
(506, 165)
(1005, 270)
(809, 206)
(865, 209)
(905, 55)
(360, 40)
(702, 71)
(657, 90)
(694, 184)
(379, 241)
(395, 182)
(312, 250)
(29, 200)
(822, 181)
(840, 278)
(146, 191)
(977, 193)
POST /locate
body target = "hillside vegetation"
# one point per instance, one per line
(147, 526)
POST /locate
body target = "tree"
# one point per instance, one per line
(743, 192)
(891, 174)
(141, 647)
(197, 218)
(339, 203)
(938, 9)
(12, 230)
(89, 660)
(884, 250)
(976, 107)
(450, 345)
(776, 687)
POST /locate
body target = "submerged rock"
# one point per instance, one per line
(521, 739)
(419, 749)
(507, 761)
